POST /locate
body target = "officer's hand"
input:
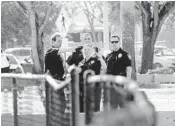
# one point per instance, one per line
(99, 55)
(139, 112)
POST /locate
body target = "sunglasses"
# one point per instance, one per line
(114, 42)
(87, 39)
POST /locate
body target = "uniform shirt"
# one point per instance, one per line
(54, 63)
(117, 61)
(76, 57)
(92, 64)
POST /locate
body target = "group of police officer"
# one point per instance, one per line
(118, 62)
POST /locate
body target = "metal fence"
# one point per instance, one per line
(60, 100)
(39, 100)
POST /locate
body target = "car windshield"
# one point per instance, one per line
(163, 52)
(168, 52)
(12, 59)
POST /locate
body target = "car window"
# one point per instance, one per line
(14, 52)
(158, 52)
(20, 52)
(168, 52)
(24, 52)
(12, 60)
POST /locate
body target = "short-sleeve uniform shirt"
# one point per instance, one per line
(117, 62)
(92, 64)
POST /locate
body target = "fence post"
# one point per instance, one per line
(15, 102)
(47, 103)
(88, 96)
(75, 97)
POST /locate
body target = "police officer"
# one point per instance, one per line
(77, 56)
(118, 63)
(54, 60)
(92, 63)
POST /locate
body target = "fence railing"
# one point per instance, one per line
(56, 109)
(61, 98)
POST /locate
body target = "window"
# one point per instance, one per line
(12, 59)
(24, 52)
(20, 52)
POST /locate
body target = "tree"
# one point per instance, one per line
(153, 16)
(37, 27)
(128, 27)
(169, 22)
(90, 8)
(114, 12)
(14, 26)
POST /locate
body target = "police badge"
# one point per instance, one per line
(92, 61)
(119, 55)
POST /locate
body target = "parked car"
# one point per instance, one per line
(163, 58)
(15, 66)
(21, 53)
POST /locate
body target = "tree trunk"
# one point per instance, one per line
(93, 32)
(148, 46)
(128, 37)
(40, 48)
(37, 69)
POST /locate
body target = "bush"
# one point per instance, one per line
(149, 86)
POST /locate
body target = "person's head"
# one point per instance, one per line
(95, 51)
(115, 41)
(86, 38)
(87, 50)
(56, 40)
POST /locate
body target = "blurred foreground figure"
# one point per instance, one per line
(139, 112)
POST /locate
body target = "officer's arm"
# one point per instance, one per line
(128, 72)
(70, 60)
(96, 66)
(46, 63)
(128, 66)
(103, 64)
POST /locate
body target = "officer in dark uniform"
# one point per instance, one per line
(118, 63)
(77, 56)
(53, 60)
(92, 63)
